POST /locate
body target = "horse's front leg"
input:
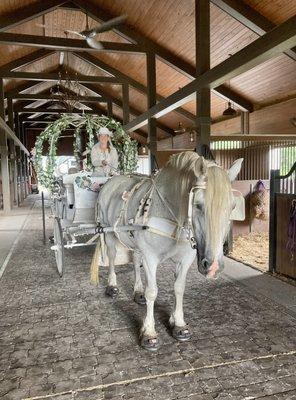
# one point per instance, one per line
(149, 339)
(111, 289)
(180, 329)
(139, 296)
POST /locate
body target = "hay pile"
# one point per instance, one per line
(252, 249)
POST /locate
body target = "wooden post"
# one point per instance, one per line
(125, 103)
(151, 100)
(202, 56)
(273, 189)
(4, 157)
(19, 159)
(13, 150)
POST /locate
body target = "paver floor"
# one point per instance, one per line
(62, 339)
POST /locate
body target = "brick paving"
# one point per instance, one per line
(62, 339)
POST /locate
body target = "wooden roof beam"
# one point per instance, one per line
(26, 60)
(94, 61)
(118, 102)
(250, 18)
(161, 52)
(54, 76)
(278, 40)
(21, 88)
(57, 43)
(87, 99)
(45, 110)
(27, 13)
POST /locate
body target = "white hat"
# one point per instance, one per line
(104, 131)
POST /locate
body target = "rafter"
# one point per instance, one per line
(250, 18)
(94, 61)
(56, 43)
(270, 45)
(26, 60)
(161, 52)
(27, 13)
(118, 102)
(85, 99)
(45, 110)
(55, 76)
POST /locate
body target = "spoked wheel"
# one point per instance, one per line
(58, 245)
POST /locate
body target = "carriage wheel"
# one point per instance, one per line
(59, 245)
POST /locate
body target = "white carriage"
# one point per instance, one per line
(73, 209)
(75, 225)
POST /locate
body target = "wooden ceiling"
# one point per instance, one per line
(170, 24)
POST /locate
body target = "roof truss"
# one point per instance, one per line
(271, 44)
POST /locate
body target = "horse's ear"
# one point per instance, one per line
(200, 167)
(234, 169)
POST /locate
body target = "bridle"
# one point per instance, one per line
(189, 227)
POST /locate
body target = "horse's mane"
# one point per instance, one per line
(217, 194)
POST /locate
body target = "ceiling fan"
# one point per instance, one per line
(90, 34)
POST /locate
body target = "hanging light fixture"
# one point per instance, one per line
(72, 93)
(229, 111)
(142, 151)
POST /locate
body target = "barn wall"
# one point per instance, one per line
(273, 119)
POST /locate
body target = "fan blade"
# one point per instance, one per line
(106, 26)
(75, 33)
(92, 42)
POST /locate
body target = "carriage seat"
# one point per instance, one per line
(81, 194)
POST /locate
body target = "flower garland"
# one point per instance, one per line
(125, 146)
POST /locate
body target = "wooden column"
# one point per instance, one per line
(13, 152)
(4, 157)
(109, 109)
(202, 55)
(125, 103)
(151, 101)
(24, 160)
(19, 160)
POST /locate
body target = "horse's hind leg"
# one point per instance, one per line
(180, 330)
(111, 289)
(139, 296)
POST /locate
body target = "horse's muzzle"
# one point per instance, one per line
(209, 269)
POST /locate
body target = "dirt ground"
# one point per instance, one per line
(252, 249)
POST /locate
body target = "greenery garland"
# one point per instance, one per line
(125, 146)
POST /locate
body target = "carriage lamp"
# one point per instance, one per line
(191, 136)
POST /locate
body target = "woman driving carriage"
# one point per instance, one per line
(104, 156)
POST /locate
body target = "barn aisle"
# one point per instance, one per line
(63, 339)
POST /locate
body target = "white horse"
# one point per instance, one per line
(186, 207)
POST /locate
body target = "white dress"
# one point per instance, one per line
(98, 156)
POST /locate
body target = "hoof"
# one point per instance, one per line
(112, 291)
(181, 333)
(139, 298)
(149, 343)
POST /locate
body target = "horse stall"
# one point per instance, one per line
(283, 222)
(251, 237)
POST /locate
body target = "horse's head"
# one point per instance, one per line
(212, 203)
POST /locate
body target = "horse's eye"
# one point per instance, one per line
(198, 206)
